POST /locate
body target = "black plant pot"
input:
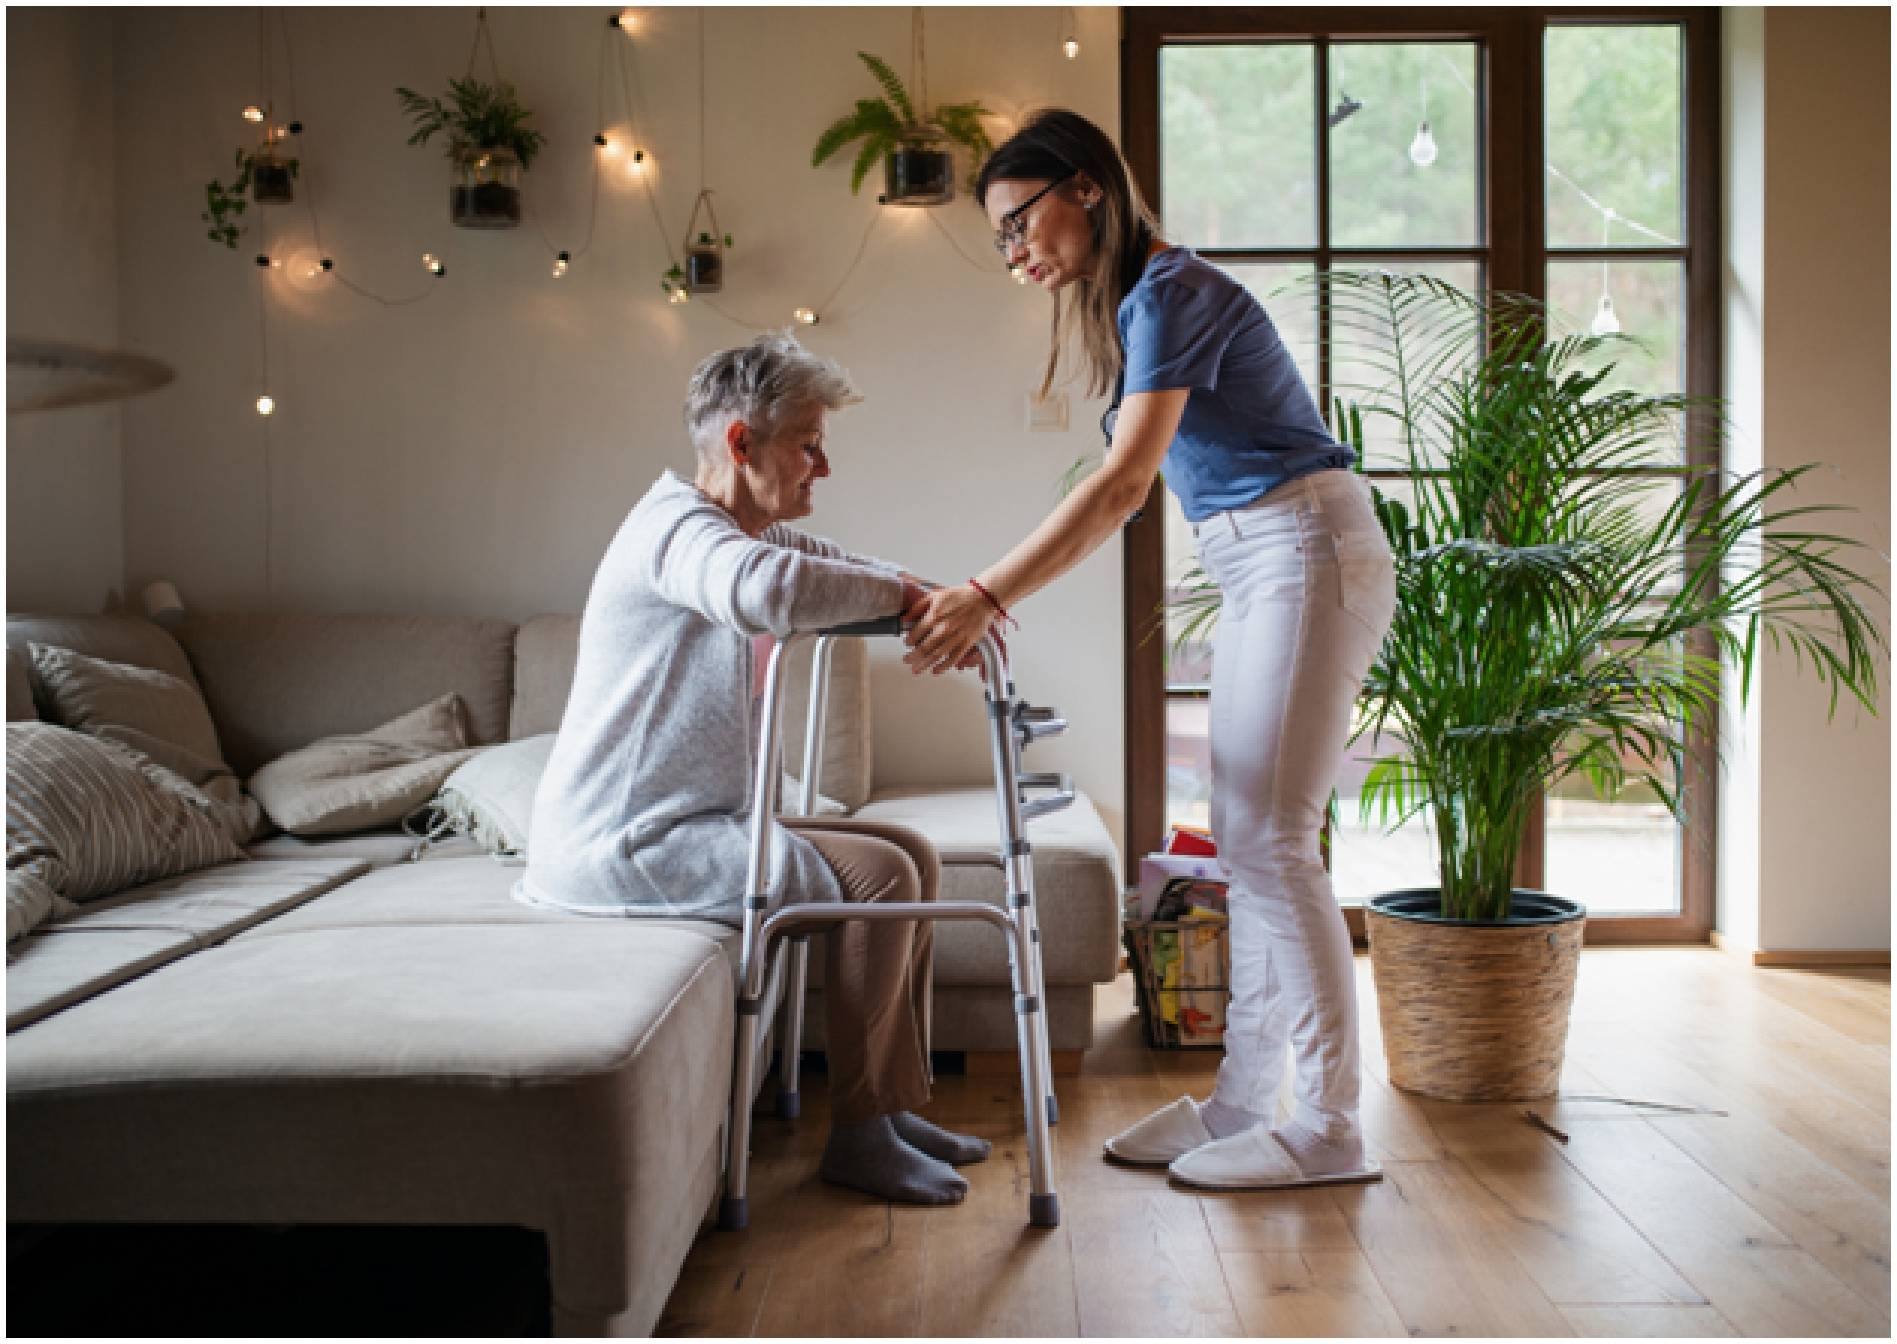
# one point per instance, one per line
(918, 175)
(704, 270)
(270, 181)
(1475, 1010)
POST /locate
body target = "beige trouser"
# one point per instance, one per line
(876, 976)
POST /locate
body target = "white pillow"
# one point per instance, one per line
(490, 799)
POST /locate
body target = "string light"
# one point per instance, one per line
(601, 140)
(806, 316)
(560, 264)
(1070, 34)
(253, 113)
(433, 263)
(678, 294)
(1019, 273)
(1606, 322)
(266, 404)
(1423, 147)
(626, 20)
(637, 165)
(1071, 47)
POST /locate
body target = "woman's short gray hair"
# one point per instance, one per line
(763, 384)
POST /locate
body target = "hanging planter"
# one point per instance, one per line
(265, 175)
(705, 254)
(485, 193)
(490, 145)
(272, 172)
(918, 165)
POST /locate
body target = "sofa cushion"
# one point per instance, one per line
(547, 651)
(364, 780)
(490, 798)
(31, 902)
(102, 946)
(116, 639)
(1076, 886)
(569, 1077)
(276, 683)
(92, 817)
(378, 848)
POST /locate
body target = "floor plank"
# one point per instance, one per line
(714, 1302)
(856, 1270)
(1445, 1266)
(1828, 1001)
(1743, 1265)
(1144, 1265)
(1321, 1294)
(1649, 1323)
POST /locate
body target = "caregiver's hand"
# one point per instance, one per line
(947, 626)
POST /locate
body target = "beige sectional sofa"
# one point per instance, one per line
(330, 1032)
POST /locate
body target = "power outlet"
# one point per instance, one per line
(1049, 415)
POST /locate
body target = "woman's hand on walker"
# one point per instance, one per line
(947, 624)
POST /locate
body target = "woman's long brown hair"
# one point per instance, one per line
(1055, 144)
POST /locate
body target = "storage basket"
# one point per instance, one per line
(1183, 968)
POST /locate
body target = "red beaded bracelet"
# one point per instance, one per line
(993, 602)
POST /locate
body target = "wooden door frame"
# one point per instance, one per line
(1511, 169)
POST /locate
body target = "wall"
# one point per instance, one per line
(474, 451)
(1809, 366)
(63, 480)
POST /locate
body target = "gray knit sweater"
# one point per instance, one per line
(645, 805)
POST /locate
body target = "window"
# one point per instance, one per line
(1563, 156)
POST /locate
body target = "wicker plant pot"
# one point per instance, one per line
(1475, 1011)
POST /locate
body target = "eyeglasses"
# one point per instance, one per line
(1014, 226)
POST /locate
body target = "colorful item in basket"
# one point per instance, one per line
(1167, 969)
(1156, 870)
(1183, 895)
(1191, 840)
(1205, 967)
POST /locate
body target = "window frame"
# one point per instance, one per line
(1511, 178)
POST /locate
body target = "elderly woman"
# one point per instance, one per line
(644, 807)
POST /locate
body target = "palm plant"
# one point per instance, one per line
(476, 116)
(1549, 622)
(885, 124)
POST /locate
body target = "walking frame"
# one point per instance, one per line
(776, 945)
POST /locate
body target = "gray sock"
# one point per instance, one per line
(937, 1142)
(1323, 1154)
(1222, 1121)
(873, 1159)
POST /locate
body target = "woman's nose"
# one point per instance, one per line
(821, 466)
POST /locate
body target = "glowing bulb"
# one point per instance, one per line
(626, 21)
(277, 262)
(265, 405)
(560, 264)
(1019, 273)
(433, 263)
(806, 316)
(1423, 147)
(1071, 47)
(1605, 322)
(253, 113)
(637, 164)
(679, 295)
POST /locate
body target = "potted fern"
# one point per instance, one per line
(918, 169)
(489, 145)
(1549, 625)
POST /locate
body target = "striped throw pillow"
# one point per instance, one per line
(92, 817)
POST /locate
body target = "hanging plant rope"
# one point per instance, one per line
(599, 119)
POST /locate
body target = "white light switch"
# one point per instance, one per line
(1049, 416)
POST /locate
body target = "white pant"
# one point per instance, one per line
(1309, 590)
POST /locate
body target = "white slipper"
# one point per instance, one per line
(1256, 1160)
(1168, 1133)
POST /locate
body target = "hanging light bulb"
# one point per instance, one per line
(266, 404)
(678, 294)
(806, 316)
(1019, 273)
(433, 264)
(1071, 47)
(560, 264)
(626, 21)
(601, 140)
(253, 113)
(637, 164)
(1423, 147)
(1605, 323)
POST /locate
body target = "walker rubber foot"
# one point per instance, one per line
(790, 1105)
(1044, 1210)
(1053, 1110)
(735, 1214)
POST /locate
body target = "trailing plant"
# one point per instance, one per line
(885, 124)
(224, 205)
(476, 116)
(1554, 620)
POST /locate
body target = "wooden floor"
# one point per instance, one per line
(1772, 1218)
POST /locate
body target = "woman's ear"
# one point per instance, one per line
(738, 442)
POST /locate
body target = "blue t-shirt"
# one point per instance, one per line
(1250, 424)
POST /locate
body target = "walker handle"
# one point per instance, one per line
(882, 625)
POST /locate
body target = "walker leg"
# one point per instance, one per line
(733, 1212)
(1031, 1032)
(1038, 979)
(790, 1101)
